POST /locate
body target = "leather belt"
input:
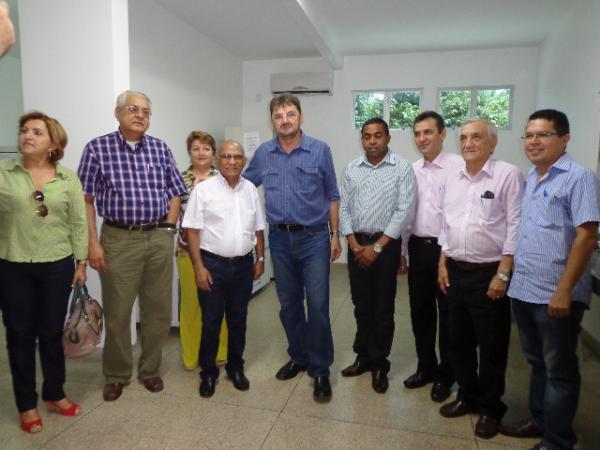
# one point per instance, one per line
(367, 238)
(291, 227)
(473, 267)
(139, 227)
(229, 260)
(425, 240)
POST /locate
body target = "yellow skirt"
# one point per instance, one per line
(190, 317)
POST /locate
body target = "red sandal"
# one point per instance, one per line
(31, 426)
(72, 410)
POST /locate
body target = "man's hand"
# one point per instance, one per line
(367, 257)
(96, 256)
(443, 279)
(560, 304)
(403, 269)
(80, 275)
(497, 288)
(259, 269)
(336, 247)
(203, 279)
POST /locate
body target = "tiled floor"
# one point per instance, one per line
(277, 414)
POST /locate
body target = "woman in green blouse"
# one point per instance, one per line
(43, 228)
(201, 148)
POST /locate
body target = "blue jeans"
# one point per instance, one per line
(230, 293)
(550, 345)
(301, 264)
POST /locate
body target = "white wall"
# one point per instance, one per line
(569, 80)
(330, 117)
(11, 99)
(194, 83)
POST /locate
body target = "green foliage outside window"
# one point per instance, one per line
(367, 106)
(494, 105)
(404, 107)
(455, 107)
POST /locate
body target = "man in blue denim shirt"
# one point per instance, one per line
(551, 285)
(302, 203)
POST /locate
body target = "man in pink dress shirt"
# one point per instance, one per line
(424, 252)
(481, 213)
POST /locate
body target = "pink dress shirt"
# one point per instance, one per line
(481, 214)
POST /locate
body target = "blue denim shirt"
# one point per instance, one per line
(299, 186)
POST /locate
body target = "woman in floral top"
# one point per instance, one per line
(201, 148)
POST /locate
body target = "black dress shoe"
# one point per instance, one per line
(357, 368)
(239, 380)
(417, 380)
(526, 428)
(486, 427)
(207, 387)
(539, 446)
(457, 408)
(322, 392)
(289, 370)
(440, 392)
(379, 381)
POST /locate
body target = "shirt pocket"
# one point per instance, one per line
(309, 179)
(553, 213)
(271, 179)
(489, 210)
(156, 175)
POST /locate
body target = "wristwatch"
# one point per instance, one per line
(377, 248)
(503, 277)
(260, 259)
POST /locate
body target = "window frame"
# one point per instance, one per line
(473, 107)
(386, 102)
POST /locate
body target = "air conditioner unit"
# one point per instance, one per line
(302, 83)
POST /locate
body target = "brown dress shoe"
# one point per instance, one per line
(526, 428)
(457, 408)
(112, 391)
(154, 384)
(486, 427)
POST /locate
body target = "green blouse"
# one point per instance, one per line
(27, 237)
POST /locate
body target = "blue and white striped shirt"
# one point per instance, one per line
(566, 197)
(299, 186)
(377, 198)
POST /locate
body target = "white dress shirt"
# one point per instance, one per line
(226, 217)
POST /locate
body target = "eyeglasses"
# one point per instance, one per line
(542, 135)
(290, 116)
(134, 109)
(41, 210)
(236, 157)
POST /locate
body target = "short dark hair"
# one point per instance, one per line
(439, 120)
(376, 121)
(284, 100)
(558, 118)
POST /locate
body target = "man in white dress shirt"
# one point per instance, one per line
(225, 222)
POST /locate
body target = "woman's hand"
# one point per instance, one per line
(80, 275)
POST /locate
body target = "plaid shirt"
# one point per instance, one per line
(131, 186)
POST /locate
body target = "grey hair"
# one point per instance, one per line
(492, 130)
(123, 96)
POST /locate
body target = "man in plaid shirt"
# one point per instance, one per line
(135, 184)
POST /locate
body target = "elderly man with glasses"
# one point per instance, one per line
(134, 182)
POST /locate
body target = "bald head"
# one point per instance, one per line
(231, 161)
(7, 31)
(230, 144)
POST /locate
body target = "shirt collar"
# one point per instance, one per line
(223, 181)
(439, 161)
(487, 169)
(563, 164)
(60, 170)
(303, 145)
(387, 159)
(123, 142)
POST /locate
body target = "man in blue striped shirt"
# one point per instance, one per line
(302, 204)
(551, 285)
(377, 205)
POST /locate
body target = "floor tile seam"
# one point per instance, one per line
(71, 424)
(337, 313)
(370, 425)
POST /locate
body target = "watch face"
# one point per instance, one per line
(377, 248)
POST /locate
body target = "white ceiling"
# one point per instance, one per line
(271, 29)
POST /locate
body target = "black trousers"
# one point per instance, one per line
(427, 304)
(34, 305)
(476, 321)
(373, 291)
(229, 296)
